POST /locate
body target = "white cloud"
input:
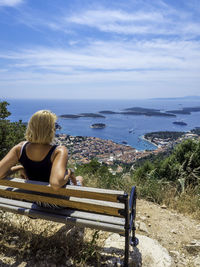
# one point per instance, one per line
(146, 47)
(116, 60)
(159, 19)
(95, 17)
(10, 3)
(165, 21)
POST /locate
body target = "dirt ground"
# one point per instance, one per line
(26, 242)
(176, 232)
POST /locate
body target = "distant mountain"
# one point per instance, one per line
(177, 98)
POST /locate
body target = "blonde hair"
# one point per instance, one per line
(41, 127)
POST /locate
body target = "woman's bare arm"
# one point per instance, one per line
(10, 160)
(58, 170)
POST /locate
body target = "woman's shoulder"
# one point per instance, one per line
(17, 148)
(60, 152)
(61, 149)
(19, 145)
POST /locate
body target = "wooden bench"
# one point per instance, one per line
(108, 210)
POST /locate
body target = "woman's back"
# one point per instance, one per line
(37, 160)
(40, 160)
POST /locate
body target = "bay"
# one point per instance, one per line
(119, 128)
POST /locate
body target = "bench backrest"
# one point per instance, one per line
(103, 201)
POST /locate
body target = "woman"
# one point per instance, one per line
(40, 160)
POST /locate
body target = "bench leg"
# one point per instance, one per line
(127, 230)
(127, 241)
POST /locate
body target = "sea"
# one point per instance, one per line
(127, 129)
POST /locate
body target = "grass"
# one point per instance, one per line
(168, 193)
(158, 191)
(44, 243)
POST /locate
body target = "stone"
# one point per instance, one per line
(163, 207)
(197, 261)
(143, 227)
(193, 247)
(148, 253)
(193, 242)
(173, 231)
(153, 254)
(175, 254)
(143, 218)
(137, 225)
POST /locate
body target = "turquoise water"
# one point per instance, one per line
(118, 126)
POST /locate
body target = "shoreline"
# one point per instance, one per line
(149, 142)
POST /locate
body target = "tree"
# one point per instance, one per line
(181, 167)
(11, 133)
(190, 168)
(4, 113)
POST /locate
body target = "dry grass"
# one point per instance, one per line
(186, 203)
(169, 194)
(42, 243)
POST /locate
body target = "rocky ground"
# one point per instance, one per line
(28, 242)
(179, 234)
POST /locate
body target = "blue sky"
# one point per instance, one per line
(77, 49)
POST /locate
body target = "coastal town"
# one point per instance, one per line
(82, 149)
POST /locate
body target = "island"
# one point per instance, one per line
(148, 113)
(82, 115)
(69, 116)
(186, 110)
(108, 112)
(180, 123)
(98, 126)
(141, 110)
(91, 115)
(136, 111)
(179, 111)
(192, 109)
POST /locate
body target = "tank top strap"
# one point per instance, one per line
(52, 149)
(23, 147)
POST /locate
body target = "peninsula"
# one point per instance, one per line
(167, 139)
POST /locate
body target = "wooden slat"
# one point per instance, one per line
(65, 212)
(66, 220)
(61, 197)
(76, 191)
(94, 207)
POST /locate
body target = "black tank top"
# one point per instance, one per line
(37, 170)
